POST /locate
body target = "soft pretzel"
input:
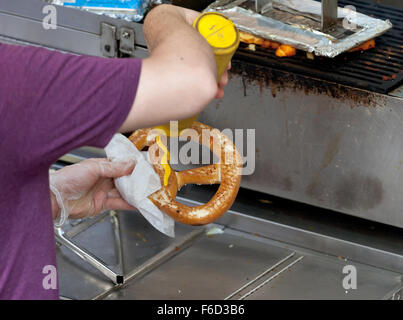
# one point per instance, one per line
(227, 173)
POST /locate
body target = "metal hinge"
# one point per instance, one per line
(117, 42)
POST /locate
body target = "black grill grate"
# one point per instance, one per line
(378, 70)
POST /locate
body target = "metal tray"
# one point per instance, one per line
(297, 23)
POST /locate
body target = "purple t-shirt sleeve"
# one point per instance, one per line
(58, 102)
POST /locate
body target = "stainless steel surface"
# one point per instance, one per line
(329, 15)
(300, 33)
(398, 295)
(21, 20)
(142, 248)
(127, 38)
(260, 276)
(88, 257)
(317, 277)
(312, 228)
(108, 40)
(242, 261)
(319, 143)
(338, 243)
(261, 285)
(397, 92)
(117, 42)
(212, 268)
(115, 276)
(216, 266)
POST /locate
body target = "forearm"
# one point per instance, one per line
(55, 206)
(179, 78)
(169, 33)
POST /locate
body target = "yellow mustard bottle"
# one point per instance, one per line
(223, 36)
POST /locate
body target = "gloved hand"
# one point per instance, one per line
(86, 189)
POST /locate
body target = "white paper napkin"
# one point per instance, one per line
(143, 181)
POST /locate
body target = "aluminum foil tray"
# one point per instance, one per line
(298, 23)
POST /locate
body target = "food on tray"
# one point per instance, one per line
(282, 50)
(286, 51)
(365, 46)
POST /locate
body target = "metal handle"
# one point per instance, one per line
(88, 257)
(329, 15)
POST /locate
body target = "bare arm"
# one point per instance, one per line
(179, 78)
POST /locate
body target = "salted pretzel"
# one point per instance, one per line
(227, 173)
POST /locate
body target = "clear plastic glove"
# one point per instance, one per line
(86, 189)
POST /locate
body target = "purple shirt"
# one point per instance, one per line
(50, 103)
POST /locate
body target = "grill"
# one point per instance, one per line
(378, 70)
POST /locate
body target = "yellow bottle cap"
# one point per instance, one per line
(217, 29)
(221, 34)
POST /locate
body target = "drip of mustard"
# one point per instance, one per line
(164, 161)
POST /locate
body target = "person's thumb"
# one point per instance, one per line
(116, 169)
